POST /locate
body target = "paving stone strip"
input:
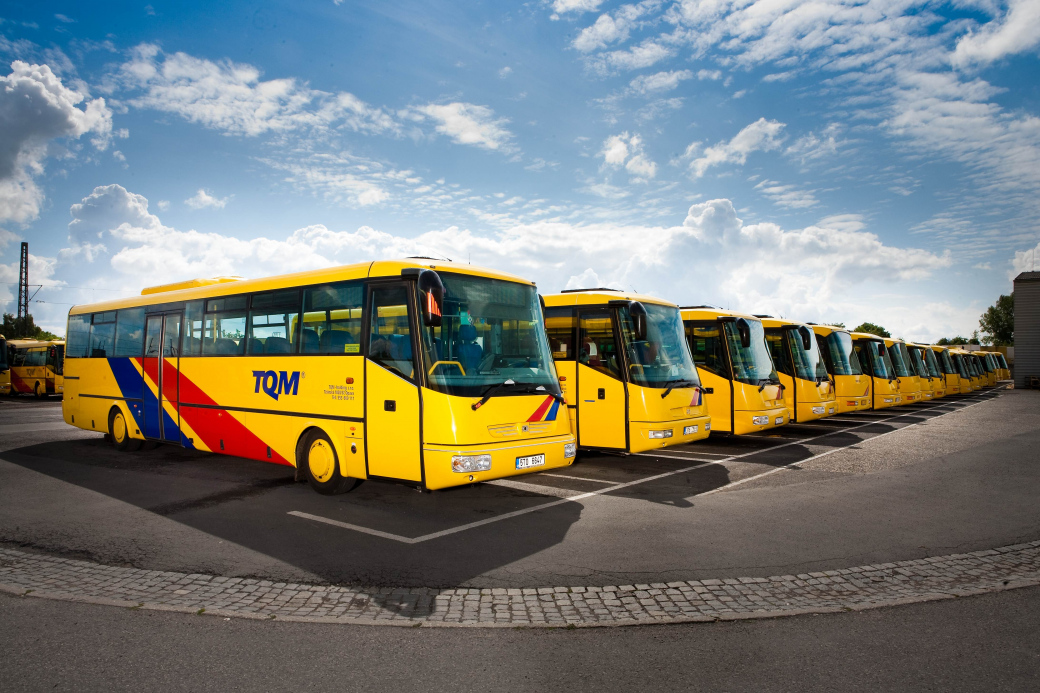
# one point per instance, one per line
(848, 589)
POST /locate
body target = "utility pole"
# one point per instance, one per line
(23, 283)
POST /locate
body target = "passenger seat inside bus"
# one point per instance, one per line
(470, 353)
(335, 341)
(277, 345)
(310, 342)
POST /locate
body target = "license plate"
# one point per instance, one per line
(530, 461)
(688, 430)
(779, 420)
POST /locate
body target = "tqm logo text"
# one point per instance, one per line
(275, 383)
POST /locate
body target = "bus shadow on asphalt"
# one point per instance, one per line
(248, 503)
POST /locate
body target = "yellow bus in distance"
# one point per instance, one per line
(992, 368)
(874, 357)
(808, 388)
(909, 381)
(5, 368)
(932, 384)
(964, 370)
(740, 383)
(427, 373)
(851, 384)
(36, 367)
(625, 370)
(948, 369)
(1005, 370)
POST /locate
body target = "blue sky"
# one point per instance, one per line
(825, 161)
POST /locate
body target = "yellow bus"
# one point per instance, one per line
(851, 384)
(740, 383)
(974, 375)
(5, 368)
(426, 373)
(36, 367)
(808, 388)
(978, 371)
(991, 366)
(1000, 365)
(625, 370)
(965, 370)
(948, 369)
(876, 362)
(909, 381)
(933, 386)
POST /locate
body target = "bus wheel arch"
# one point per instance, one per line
(318, 462)
(119, 430)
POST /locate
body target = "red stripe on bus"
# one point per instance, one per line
(540, 411)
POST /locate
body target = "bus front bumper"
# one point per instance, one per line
(645, 436)
(884, 401)
(506, 460)
(745, 422)
(810, 411)
(847, 404)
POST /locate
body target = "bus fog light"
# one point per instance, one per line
(570, 450)
(759, 420)
(818, 410)
(470, 463)
(707, 426)
(661, 434)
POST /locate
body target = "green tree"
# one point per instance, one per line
(998, 322)
(24, 329)
(871, 328)
(955, 341)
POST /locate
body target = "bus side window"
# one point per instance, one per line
(224, 326)
(706, 346)
(560, 324)
(103, 335)
(597, 348)
(390, 338)
(78, 342)
(273, 322)
(331, 321)
(129, 332)
(193, 318)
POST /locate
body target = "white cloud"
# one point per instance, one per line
(813, 146)
(467, 123)
(203, 199)
(787, 195)
(505, 72)
(232, 98)
(660, 81)
(1025, 261)
(638, 57)
(606, 30)
(761, 135)
(36, 108)
(163, 205)
(627, 150)
(1016, 31)
(564, 6)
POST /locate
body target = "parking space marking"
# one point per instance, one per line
(34, 427)
(532, 488)
(576, 478)
(616, 487)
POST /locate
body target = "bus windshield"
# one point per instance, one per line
(932, 364)
(919, 367)
(491, 332)
(962, 366)
(947, 362)
(900, 360)
(752, 365)
(838, 347)
(664, 359)
(808, 363)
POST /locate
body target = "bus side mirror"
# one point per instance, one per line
(744, 330)
(806, 337)
(431, 297)
(541, 302)
(881, 349)
(638, 314)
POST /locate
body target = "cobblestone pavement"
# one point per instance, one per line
(849, 589)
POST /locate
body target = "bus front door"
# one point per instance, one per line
(162, 368)
(392, 438)
(602, 406)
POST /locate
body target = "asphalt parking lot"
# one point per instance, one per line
(954, 475)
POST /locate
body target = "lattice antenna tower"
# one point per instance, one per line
(23, 283)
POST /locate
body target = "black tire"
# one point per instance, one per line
(118, 430)
(317, 457)
(36, 391)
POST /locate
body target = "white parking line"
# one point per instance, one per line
(615, 487)
(576, 478)
(36, 427)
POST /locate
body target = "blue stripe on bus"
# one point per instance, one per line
(551, 416)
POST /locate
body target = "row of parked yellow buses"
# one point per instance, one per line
(33, 367)
(438, 374)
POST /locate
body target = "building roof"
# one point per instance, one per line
(1028, 277)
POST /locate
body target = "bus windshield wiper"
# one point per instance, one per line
(490, 392)
(769, 381)
(672, 384)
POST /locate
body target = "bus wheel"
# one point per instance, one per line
(119, 433)
(320, 464)
(36, 391)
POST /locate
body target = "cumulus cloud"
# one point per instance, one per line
(760, 136)
(605, 31)
(1025, 261)
(467, 123)
(660, 81)
(232, 97)
(203, 199)
(626, 151)
(1016, 31)
(36, 109)
(646, 54)
(577, 6)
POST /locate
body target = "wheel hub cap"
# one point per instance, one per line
(320, 460)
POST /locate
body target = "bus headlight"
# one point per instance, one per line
(818, 410)
(759, 420)
(570, 450)
(465, 464)
(707, 426)
(661, 434)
